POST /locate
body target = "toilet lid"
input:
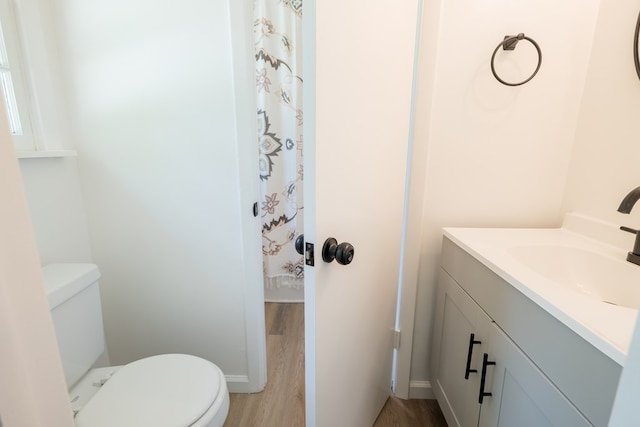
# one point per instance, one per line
(170, 390)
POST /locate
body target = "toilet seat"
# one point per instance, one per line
(171, 390)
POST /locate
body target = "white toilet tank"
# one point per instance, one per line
(74, 300)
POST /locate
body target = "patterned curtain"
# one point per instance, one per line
(278, 39)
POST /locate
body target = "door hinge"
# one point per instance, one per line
(309, 257)
(396, 339)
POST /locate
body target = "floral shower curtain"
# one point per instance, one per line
(278, 39)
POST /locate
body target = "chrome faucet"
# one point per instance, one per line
(625, 207)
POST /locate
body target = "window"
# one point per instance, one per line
(12, 80)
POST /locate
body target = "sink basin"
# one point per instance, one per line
(597, 275)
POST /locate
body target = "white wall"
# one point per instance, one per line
(51, 184)
(41, 57)
(53, 191)
(604, 164)
(497, 155)
(151, 99)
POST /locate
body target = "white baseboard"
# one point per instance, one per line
(417, 389)
(238, 383)
(420, 390)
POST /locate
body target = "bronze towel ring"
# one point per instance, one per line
(509, 43)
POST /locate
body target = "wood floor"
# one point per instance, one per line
(410, 413)
(281, 404)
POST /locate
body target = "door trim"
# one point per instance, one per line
(309, 132)
(413, 234)
(241, 19)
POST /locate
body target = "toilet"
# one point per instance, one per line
(168, 390)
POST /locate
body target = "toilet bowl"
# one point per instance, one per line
(169, 390)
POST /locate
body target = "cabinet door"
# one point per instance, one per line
(457, 318)
(521, 395)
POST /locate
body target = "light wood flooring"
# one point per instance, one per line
(281, 404)
(410, 413)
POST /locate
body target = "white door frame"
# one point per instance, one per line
(241, 17)
(423, 80)
(309, 108)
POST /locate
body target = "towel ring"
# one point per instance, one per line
(509, 43)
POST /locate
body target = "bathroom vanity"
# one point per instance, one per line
(524, 340)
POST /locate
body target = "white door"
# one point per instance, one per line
(358, 69)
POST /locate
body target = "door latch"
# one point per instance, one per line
(309, 255)
(305, 248)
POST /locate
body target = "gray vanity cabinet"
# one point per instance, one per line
(461, 336)
(521, 395)
(537, 372)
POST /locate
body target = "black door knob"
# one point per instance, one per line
(300, 244)
(343, 253)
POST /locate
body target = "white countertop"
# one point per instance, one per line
(607, 327)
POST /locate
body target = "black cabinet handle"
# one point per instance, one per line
(485, 362)
(472, 342)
